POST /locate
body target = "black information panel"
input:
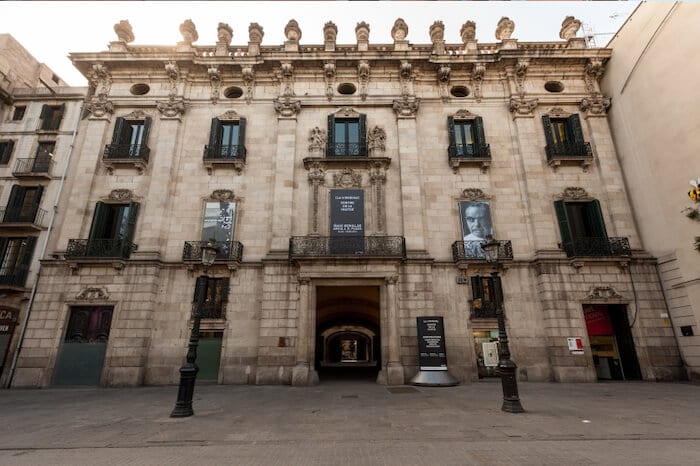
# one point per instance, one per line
(347, 221)
(431, 344)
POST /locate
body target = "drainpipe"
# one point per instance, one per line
(15, 357)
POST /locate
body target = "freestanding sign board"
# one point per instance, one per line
(431, 344)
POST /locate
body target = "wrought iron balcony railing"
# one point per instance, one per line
(127, 152)
(565, 150)
(13, 276)
(33, 166)
(346, 149)
(477, 151)
(471, 250)
(210, 310)
(226, 251)
(225, 152)
(36, 217)
(347, 246)
(100, 248)
(597, 247)
(483, 309)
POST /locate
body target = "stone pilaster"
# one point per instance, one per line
(394, 368)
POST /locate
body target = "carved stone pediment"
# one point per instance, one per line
(136, 115)
(347, 178)
(558, 112)
(596, 105)
(222, 195)
(522, 107)
(603, 293)
(172, 108)
(474, 194)
(347, 112)
(121, 195)
(406, 107)
(229, 115)
(286, 107)
(574, 193)
(92, 294)
(464, 114)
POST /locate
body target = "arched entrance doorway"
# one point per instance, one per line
(348, 342)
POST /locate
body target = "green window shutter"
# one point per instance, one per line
(595, 219)
(201, 286)
(117, 136)
(99, 221)
(479, 137)
(26, 261)
(573, 124)
(498, 290)
(452, 149)
(44, 115)
(3, 248)
(241, 137)
(224, 290)
(14, 204)
(59, 115)
(362, 126)
(37, 200)
(477, 289)
(547, 125)
(214, 133)
(131, 220)
(563, 220)
(146, 130)
(330, 141)
(6, 151)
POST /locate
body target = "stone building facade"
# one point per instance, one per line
(38, 117)
(348, 188)
(653, 48)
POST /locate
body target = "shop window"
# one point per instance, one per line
(467, 138)
(6, 148)
(15, 259)
(347, 136)
(51, 116)
(484, 296)
(23, 204)
(226, 139)
(215, 297)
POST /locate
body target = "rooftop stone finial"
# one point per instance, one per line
(124, 31)
(255, 33)
(569, 28)
(330, 31)
(468, 31)
(437, 31)
(505, 28)
(292, 31)
(189, 32)
(362, 31)
(400, 30)
(224, 33)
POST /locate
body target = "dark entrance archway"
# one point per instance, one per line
(612, 345)
(348, 344)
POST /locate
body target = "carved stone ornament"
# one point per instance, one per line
(347, 178)
(595, 105)
(468, 31)
(363, 77)
(521, 67)
(317, 140)
(400, 30)
(229, 115)
(405, 69)
(443, 74)
(100, 80)
(330, 32)
(478, 72)
(93, 293)
(329, 77)
(189, 32)
(223, 195)
(224, 34)
(558, 112)
(172, 108)
(406, 107)
(569, 28)
(121, 195)
(124, 31)
(136, 115)
(255, 33)
(287, 74)
(464, 114)
(292, 31)
(215, 81)
(574, 193)
(505, 28)
(362, 32)
(522, 107)
(594, 72)
(474, 194)
(347, 112)
(376, 140)
(249, 80)
(317, 175)
(99, 108)
(603, 293)
(173, 72)
(437, 31)
(286, 107)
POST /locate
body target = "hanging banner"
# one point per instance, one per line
(347, 212)
(431, 344)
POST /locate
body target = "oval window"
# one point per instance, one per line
(140, 89)
(553, 86)
(233, 92)
(459, 91)
(347, 88)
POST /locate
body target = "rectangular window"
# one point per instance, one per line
(130, 139)
(51, 116)
(484, 296)
(347, 137)
(226, 139)
(89, 324)
(112, 230)
(559, 130)
(218, 221)
(44, 154)
(18, 113)
(215, 297)
(6, 148)
(15, 259)
(564, 137)
(467, 138)
(23, 204)
(582, 228)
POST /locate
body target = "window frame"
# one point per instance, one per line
(216, 149)
(16, 275)
(18, 209)
(51, 117)
(592, 220)
(7, 147)
(216, 291)
(345, 148)
(22, 110)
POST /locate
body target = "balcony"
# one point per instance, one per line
(580, 154)
(23, 219)
(130, 155)
(99, 248)
(308, 247)
(33, 168)
(211, 310)
(231, 251)
(471, 251)
(469, 154)
(597, 247)
(13, 277)
(228, 155)
(480, 309)
(347, 149)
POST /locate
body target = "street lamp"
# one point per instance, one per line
(506, 368)
(188, 372)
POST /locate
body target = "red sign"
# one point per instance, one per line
(597, 319)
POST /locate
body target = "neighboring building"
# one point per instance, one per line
(652, 79)
(38, 115)
(360, 179)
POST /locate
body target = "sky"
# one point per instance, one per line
(52, 30)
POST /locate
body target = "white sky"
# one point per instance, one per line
(51, 30)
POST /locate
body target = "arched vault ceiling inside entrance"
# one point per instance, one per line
(347, 304)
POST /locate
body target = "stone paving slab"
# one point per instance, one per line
(354, 422)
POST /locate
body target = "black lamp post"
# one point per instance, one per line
(506, 368)
(188, 372)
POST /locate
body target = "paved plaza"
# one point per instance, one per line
(354, 422)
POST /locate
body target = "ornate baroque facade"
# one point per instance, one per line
(347, 187)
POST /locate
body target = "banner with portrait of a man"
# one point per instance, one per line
(476, 226)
